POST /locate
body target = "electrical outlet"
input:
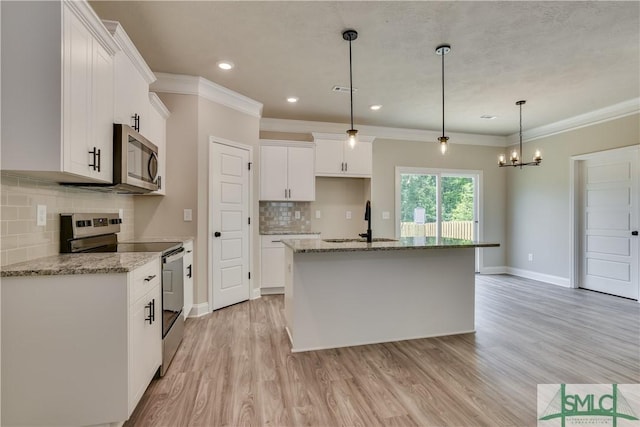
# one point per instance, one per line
(530, 257)
(188, 215)
(348, 215)
(318, 215)
(386, 215)
(120, 213)
(41, 215)
(297, 214)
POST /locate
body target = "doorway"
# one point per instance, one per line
(229, 227)
(606, 219)
(438, 203)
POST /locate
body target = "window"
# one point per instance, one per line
(437, 203)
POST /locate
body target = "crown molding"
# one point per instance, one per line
(340, 136)
(126, 45)
(379, 132)
(612, 112)
(92, 22)
(159, 106)
(193, 85)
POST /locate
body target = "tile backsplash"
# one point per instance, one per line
(281, 216)
(23, 240)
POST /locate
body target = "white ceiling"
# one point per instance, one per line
(564, 58)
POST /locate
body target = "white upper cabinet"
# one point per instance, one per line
(286, 171)
(157, 124)
(57, 91)
(131, 84)
(334, 156)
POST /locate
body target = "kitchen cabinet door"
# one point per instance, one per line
(273, 173)
(329, 158)
(359, 159)
(157, 133)
(87, 102)
(131, 86)
(300, 177)
(146, 333)
(272, 267)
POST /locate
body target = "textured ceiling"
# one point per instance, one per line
(564, 58)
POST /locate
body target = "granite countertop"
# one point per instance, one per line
(286, 232)
(404, 243)
(93, 263)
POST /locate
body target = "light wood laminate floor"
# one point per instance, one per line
(235, 368)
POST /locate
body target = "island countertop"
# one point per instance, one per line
(404, 243)
(89, 263)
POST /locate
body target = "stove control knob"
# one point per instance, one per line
(116, 221)
(82, 223)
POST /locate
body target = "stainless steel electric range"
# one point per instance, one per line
(90, 232)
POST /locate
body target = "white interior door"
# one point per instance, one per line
(609, 261)
(229, 195)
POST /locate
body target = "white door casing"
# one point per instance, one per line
(229, 191)
(608, 216)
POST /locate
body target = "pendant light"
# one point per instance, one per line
(442, 50)
(515, 155)
(352, 134)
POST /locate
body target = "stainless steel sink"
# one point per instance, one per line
(375, 239)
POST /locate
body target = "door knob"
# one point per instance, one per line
(634, 233)
(217, 234)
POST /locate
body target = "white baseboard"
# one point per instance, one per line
(255, 293)
(199, 310)
(493, 270)
(541, 277)
(272, 291)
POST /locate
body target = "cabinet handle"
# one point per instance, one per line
(96, 159)
(289, 193)
(346, 166)
(276, 241)
(342, 167)
(151, 306)
(149, 278)
(189, 271)
(136, 122)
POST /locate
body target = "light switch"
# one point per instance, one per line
(188, 215)
(41, 215)
(386, 215)
(348, 214)
(297, 214)
(318, 214)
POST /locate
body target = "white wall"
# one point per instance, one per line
(388, 153)
(538, 197)
(192, 121)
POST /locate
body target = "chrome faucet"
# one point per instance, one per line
(367, 217)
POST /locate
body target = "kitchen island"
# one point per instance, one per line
(347, 293)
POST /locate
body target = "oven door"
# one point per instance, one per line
(172, 289)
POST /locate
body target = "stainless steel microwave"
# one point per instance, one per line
(135, 161)
(135, 164)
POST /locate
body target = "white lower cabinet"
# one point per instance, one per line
(187, 263)
(79, 349)
(272, 266)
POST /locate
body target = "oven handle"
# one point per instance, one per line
(179, 253)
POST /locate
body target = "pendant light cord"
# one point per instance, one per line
(521, 159)
(443, 94)
(351, 82)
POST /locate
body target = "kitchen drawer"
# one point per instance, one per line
(144, 279)
(275, 240)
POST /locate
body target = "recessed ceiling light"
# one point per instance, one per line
(375, 107)
(292, 99)
(488, 117)
(225, 65)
